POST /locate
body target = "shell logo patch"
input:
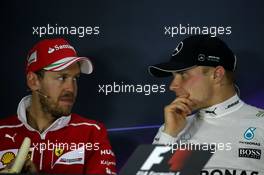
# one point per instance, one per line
(7, 158)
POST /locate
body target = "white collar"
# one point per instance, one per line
(221, 109)
(21, 113)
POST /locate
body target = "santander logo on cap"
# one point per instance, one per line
(51, 50)
(59, 47)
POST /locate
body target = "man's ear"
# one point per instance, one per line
(33, 81)
(219, 74)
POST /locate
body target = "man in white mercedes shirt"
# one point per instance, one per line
(207, 109)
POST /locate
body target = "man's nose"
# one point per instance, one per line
(176, 83)
(70, 85)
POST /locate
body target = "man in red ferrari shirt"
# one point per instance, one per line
(61, 142)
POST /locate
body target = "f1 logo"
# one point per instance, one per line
(155, 157)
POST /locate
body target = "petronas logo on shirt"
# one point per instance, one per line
(260, 114)
(249, 134)
(58, 151)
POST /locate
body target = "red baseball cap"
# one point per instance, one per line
(55, 55)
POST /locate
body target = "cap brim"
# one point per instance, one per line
(86, 64)
(166, 69)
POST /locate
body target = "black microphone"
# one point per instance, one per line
(43, 95)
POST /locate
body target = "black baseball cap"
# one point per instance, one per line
(196, 50)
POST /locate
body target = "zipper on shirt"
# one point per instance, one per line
(41, 158)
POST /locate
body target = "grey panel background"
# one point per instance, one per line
(131, 38)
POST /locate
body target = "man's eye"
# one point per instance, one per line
(76, 78)
(184, 74)
(61, 78)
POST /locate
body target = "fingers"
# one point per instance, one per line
(175, 115)
(181, 105)
(185, 100)
(29, 167)
(179, 108)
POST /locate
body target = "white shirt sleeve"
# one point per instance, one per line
(166, 139)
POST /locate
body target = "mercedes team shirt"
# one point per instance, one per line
(237, 131)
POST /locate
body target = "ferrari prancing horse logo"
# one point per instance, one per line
(58, 151)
